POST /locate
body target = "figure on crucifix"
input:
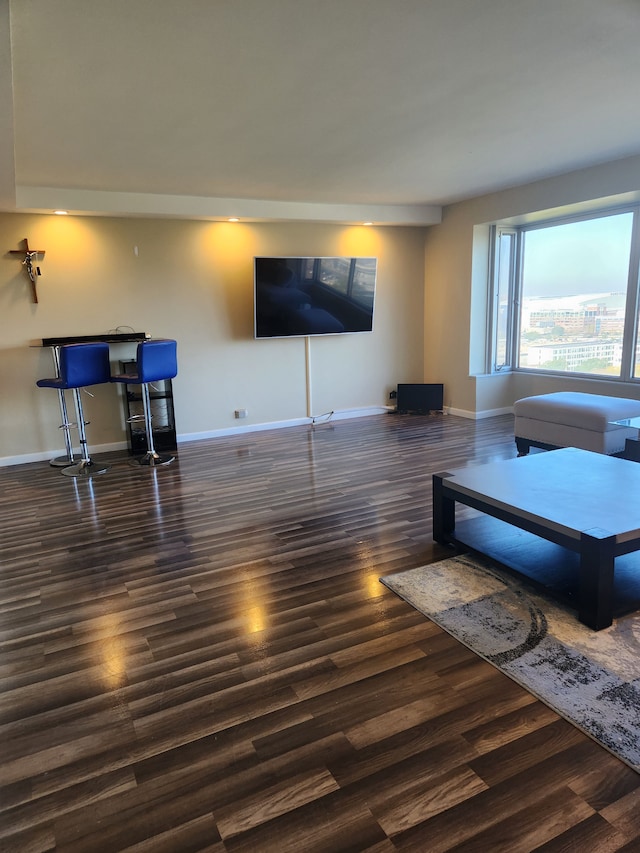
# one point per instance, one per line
(29, 261)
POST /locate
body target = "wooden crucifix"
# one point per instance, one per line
(29, 261)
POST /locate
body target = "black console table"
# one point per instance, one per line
(116, 338)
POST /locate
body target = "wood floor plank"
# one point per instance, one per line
(273, 801)
(418, 803)
(530, 827)
(594, 833)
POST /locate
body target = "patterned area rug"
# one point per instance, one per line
(592, 678)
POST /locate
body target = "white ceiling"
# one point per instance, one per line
(314, 108)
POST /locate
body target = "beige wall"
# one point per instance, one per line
(456, 267)
(193, 281)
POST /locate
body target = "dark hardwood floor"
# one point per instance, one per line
(202, 658)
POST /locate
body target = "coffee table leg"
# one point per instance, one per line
(444, 520)
(597, 562)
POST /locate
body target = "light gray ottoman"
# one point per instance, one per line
(573, 419)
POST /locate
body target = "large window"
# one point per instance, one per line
(565, 296)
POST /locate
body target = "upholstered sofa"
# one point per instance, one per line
(574, 419)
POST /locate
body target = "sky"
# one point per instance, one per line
(589, 256)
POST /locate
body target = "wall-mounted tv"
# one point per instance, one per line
(297, 297)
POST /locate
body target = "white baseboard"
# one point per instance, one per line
(477, 416)
(46, 455)
(343, 414)
(239, 430)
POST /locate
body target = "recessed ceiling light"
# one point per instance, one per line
(233, 219)
(61, 212)
(367, 223)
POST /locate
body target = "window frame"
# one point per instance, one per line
(630, 362)
(498, 232)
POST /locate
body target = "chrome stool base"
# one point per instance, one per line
(61, 462)
(151, 460)
(84, 469)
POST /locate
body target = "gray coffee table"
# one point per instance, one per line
(631, 445)
(586, 504)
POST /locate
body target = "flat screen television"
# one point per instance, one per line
(298, 297)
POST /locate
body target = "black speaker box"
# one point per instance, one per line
(420, 399)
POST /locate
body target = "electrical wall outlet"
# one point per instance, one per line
(241, 413)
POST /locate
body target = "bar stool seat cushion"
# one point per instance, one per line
(155, 360)
(80, 365)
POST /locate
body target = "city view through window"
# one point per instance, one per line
(573, 298)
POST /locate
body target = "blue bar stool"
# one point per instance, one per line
(81, 365)
(155, 361)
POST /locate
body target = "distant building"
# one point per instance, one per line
(591, 314)
(572, 353)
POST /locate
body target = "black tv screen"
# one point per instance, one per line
(297, 297)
